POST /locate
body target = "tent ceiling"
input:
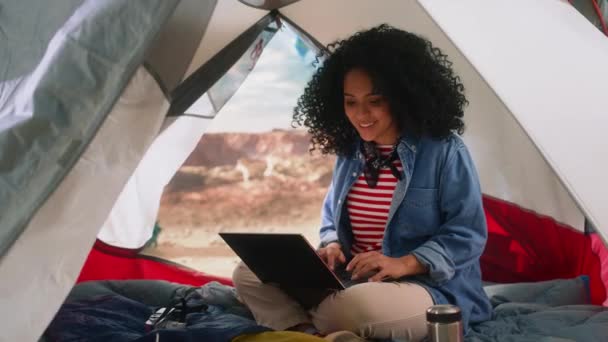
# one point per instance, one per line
(229, 20)
(232, 60)
(176, 44)
(21, 22)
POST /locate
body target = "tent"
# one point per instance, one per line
(102, 101)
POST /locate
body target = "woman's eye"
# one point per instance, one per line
(349, 103)
(375, 102)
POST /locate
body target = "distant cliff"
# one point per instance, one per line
(248, 180)
(220, 149)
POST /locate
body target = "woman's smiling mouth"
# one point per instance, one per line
(366, 124)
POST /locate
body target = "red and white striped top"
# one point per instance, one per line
(368, 207)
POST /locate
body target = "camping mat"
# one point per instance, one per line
(549, 311)
(117, 311)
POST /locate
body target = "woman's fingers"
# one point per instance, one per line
(380, 276)
(367, 263)
(365, 267)
(336, 257)
(331, 256)
(342, 257)
(353, 264)
(355, 261)
(322, 252)
(331, 261)
(364, 264)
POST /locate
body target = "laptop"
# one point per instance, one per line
(288, 261)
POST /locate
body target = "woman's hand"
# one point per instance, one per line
(332, 255)
(383, 266)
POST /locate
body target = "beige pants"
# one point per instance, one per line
(374, 310)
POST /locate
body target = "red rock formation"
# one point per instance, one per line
(218, 149)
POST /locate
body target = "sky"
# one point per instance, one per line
(266, 99)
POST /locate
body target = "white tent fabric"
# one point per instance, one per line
(172, 51)
(556, 101)
(137, 206)
(536, 139)
(230, 19)
(44, 262)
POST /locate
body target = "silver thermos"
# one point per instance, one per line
(444, 323)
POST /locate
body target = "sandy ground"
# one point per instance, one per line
(191, 221)
(205, 251)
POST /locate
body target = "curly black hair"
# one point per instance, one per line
(424, 94)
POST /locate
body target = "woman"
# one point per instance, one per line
(404, 208)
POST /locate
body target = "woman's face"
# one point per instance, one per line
(368, 111)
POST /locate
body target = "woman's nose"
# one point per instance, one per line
(365, 111)
(362, 111)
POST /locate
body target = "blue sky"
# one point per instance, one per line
(266, 98)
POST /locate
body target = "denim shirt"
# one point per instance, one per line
(436, 214)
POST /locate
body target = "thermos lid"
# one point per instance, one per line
(443, 313)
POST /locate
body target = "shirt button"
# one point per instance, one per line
(354, 174)
(339, 201)
(414, 148)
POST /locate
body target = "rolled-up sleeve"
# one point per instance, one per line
(461, 238)
(328, 231)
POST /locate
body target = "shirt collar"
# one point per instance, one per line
(410, 141)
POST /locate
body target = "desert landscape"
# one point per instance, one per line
(240, 182)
